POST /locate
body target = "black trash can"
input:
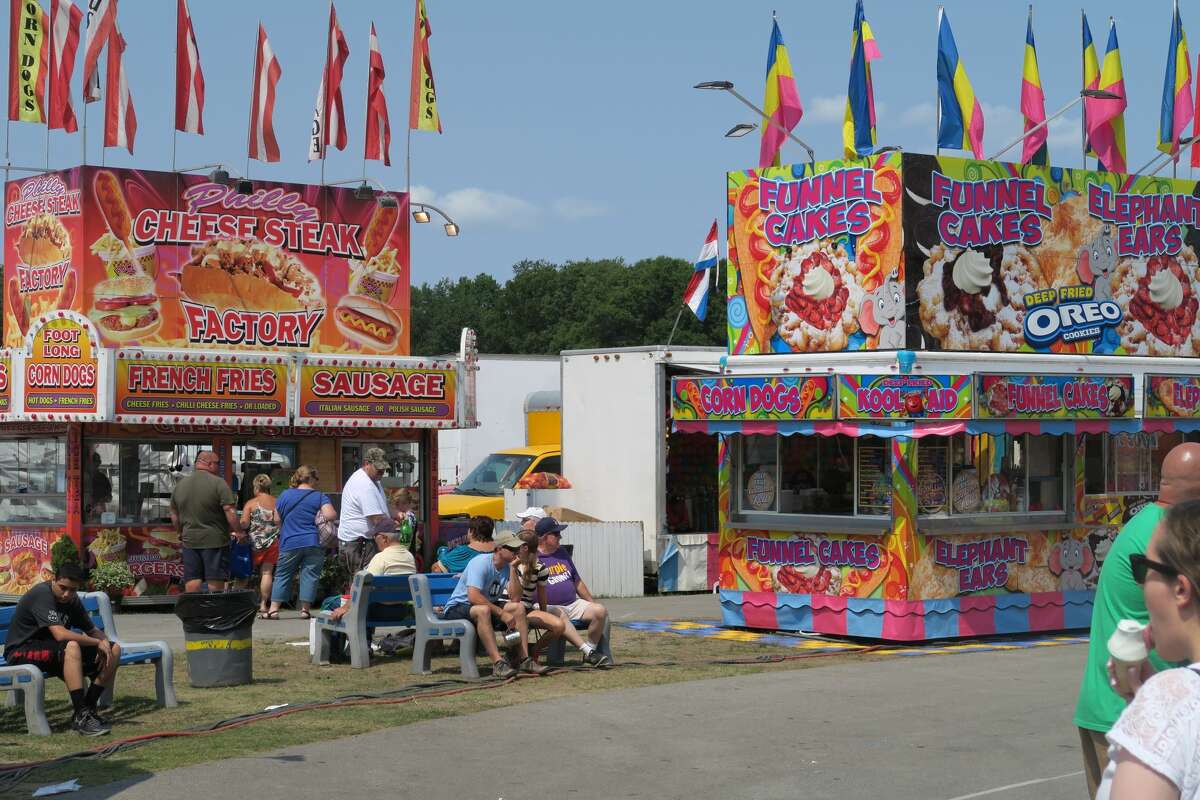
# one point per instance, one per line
(218, 636)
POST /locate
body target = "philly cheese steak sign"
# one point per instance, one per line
(370, 392)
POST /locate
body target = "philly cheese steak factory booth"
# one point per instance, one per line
(148, 316)
(949, 384)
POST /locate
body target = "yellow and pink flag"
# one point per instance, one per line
(960, 126)
(1177, 109)
(781, 102)
(1104, 120)
(1033, 103)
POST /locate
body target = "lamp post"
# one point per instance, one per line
(1171, 157)
(420, 211)
(1095, 94)
(727, 86)
(740, 130)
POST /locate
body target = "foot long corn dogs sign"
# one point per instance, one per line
(163, 260)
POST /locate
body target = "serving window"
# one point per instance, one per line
(1126, 463)
(33, 480)
(127, 482)
(974, 474)
(836, 476)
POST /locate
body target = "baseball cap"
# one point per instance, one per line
(377, 458)
(508, 539)
(548, 525)
(533, 512)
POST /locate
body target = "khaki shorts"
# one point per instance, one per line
(574, 610)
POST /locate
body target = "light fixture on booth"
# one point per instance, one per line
(364, 192)
(740, 130)
(420, 215)
(451, 229)
(219, 176)
(387, 201)
(245, 186)
(727, 86)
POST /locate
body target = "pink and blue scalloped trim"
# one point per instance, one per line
(908, 620)
(916, 430)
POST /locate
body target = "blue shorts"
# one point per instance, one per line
(206, 564)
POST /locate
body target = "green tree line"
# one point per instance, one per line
(545, 308)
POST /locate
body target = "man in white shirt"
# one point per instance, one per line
(364, 511)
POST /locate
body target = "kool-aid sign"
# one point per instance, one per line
(759, 398)
(904, 396)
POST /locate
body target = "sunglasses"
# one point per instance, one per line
(1140, 565)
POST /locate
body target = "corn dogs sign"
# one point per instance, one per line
(64, 373)
(381, 393)
(161, 260)
(193, 388)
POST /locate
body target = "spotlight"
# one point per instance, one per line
(420, 215)
(364, 192)
(219, 176)
(387, 201)
(245, 186)
(740, 130)
(451, 229)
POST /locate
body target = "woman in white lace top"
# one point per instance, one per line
(1154, 751)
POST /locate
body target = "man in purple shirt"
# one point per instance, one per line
(566, 592)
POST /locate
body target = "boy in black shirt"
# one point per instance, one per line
(41, 634)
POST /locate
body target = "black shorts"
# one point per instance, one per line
(457, 611)
(206, 564)
(48, 655)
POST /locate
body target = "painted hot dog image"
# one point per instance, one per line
(111, 200)
(368, 322)
(379, 229)
(248, 274)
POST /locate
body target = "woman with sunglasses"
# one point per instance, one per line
(1154, 751)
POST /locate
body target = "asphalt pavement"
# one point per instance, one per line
(937, 727)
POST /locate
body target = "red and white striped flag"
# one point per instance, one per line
(329, 117)
(100, 23)
(65, 19)
(379, 130)
(27, 56)
(263, 146)
(189, 80)
(120, 122)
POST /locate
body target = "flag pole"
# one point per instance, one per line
(368, 109)
(326, 106)
(175, 94)
(676, 325)
(1083, 83)
(937, 100)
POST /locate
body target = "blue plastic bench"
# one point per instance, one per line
(367, 592)
(26, 682)
(556, 655)
(430, 591)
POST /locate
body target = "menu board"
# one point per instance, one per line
(932, 458)
(1172, 396)
(201, 388)
(373, 392)
(1054, 396)
(874, 479)
(753, 398)
(904, 396)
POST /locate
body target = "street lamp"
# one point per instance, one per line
(420, 216)
(1170, 157)
(740, 130)
(727, 86)
(1095, 94)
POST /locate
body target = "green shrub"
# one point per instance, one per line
(112, 577)
(62, 551)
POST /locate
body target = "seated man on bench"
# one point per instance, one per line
(567, 594)
(479, 597)
(40, 634)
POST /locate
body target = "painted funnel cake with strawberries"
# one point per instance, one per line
(814, 298)
(1160, 297)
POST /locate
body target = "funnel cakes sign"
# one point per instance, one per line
(1019, 258)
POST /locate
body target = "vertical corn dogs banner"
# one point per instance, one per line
(158, 259)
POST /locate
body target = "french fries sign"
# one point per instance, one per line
(381, 393)
(194, 388)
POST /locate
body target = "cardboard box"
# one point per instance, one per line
(564, 514)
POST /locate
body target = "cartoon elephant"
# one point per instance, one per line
(882, 314)
(1071, 560)
(1097, 261)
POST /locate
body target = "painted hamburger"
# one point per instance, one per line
(368, 322)
(126, 308)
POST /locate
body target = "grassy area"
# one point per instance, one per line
(283, 674)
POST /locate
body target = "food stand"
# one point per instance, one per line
(148, 316)
(949, 383)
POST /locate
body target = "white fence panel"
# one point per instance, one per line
(608, 555)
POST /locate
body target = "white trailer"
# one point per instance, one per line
(502, 384)
(616, 423)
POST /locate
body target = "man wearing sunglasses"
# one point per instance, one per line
(1118, 596)
(44, 632)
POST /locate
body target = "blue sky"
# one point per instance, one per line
(572, 130)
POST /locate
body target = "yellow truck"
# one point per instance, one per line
(481, 493)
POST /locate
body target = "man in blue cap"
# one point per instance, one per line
(566, 593)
